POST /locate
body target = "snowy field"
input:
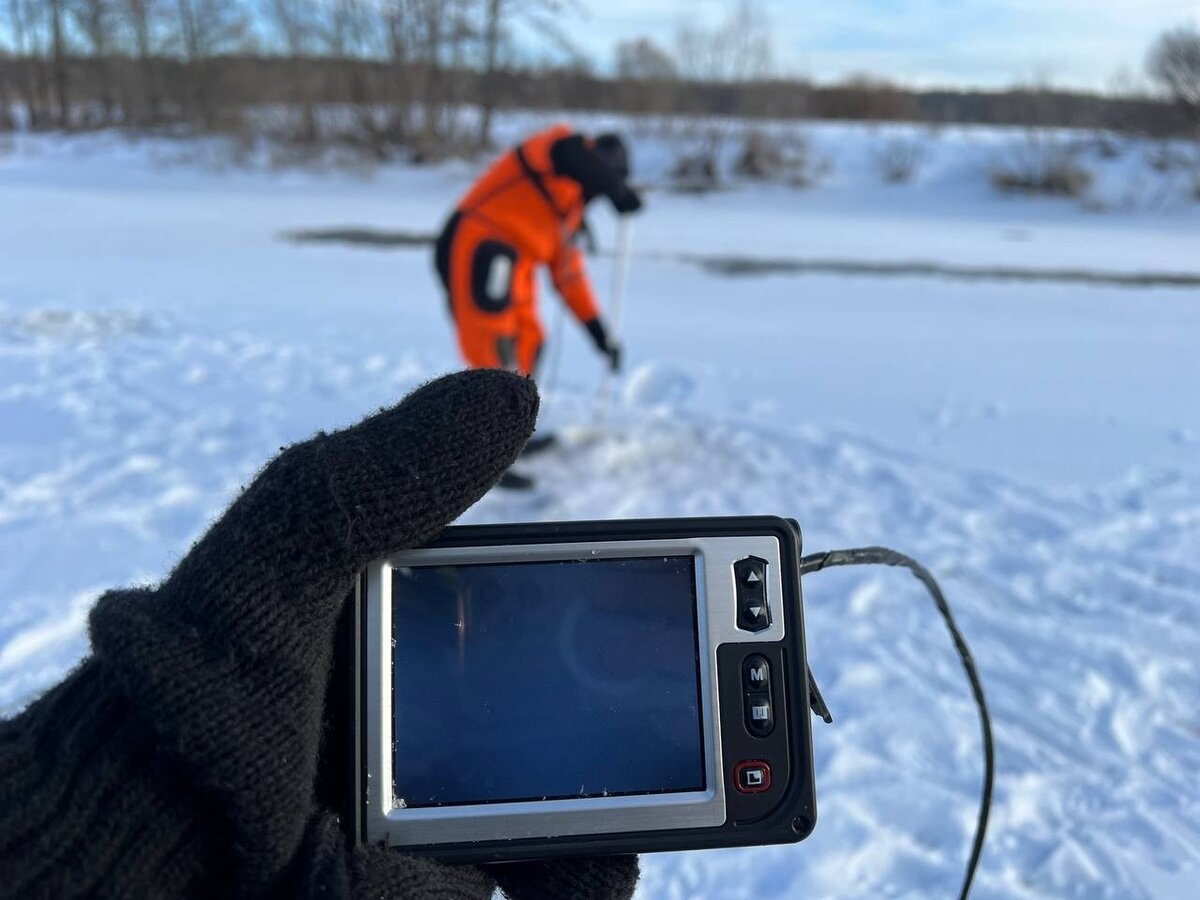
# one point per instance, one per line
(1036, 443)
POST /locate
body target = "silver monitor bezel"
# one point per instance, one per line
(716, 624)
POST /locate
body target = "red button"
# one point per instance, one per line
(752, 776)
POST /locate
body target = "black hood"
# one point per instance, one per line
(612, 150)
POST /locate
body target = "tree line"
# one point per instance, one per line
(401, 73)
(86, 63)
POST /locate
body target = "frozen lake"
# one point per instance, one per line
(1036, 444)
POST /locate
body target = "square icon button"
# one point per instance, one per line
(752, 776)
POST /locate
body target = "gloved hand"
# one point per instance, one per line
(181, 758)
(626, 200)
(605, 343)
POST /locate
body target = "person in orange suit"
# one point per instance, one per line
(527, 210)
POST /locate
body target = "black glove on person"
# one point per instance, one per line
(605, 343)
(626, 200)
(180, 759)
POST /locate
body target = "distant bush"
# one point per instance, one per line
(1138, 192)
(787, 158)
(1042, 163)
(761, 157)
(897, 159)
(1164, 156)
(696, 168)
(1106, 145)
(696, 171)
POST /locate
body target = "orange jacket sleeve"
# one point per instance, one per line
(571, 282)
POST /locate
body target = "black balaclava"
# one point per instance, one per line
(612, 150)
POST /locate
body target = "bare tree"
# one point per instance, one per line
(737, 49)
(296, 24)
(30, 71)
(641, 59)
(96, 21)
(491, 55)
(430, 45)
(1174, 64)
(435, 37)
(207, 28)
(541, 16)
(7, 120)
(400, 28)
(7, 85)
(354, 35)
(462, 50)
(647, 76)
(60, 76)
(413, 32)
(142, 18)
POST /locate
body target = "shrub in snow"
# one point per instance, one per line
(1164, 156)
(761, 157)
(1194, 172)
(786, 158)
(1189, 169)
(897, 159)
(696, 167)
(1106, 146)
(695, 171)
(1177, 167)
(1041, 163)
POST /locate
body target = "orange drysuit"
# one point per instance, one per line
(521, 213)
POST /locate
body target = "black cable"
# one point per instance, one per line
(869, 556)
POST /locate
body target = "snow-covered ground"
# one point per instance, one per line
(1037, 444)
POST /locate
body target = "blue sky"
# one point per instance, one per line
(989, 43)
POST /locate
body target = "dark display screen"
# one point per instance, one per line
(545, 680)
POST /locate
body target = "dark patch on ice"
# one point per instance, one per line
(753, 266)
(748, 266)
(360, 237)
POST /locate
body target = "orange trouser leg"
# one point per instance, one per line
(483, 302)
(529, 330)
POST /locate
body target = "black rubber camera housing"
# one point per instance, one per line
(659, 663)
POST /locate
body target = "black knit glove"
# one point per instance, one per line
(626, 200)
(181, 758)
(604, 343)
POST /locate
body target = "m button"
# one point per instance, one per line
(756, 674)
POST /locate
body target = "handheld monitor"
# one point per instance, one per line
(531, 691)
